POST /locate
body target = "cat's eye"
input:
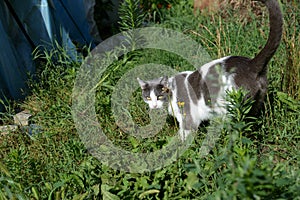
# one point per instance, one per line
(148, 98)
(160, 97)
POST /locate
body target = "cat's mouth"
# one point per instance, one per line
(154, 107)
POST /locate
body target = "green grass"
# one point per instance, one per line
(253, 158)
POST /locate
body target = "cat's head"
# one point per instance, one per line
(155, 92)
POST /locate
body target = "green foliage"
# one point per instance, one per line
(130, 15)
(9, 110)
(254, 158)
(156, 9)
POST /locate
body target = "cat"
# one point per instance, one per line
(189, 94)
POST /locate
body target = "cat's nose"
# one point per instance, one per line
(154, 106)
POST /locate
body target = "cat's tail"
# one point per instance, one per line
(260, 61)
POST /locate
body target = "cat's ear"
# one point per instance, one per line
(164, 81)
(142, 83)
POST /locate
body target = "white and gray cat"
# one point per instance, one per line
(190, 94)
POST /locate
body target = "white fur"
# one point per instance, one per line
(154, 102)
(205, 68)
(228, 85)
(200, 111)
(176, 112)
(173, 106)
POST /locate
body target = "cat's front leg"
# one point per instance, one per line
(184, 134)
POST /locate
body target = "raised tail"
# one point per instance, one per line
(260, 61)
